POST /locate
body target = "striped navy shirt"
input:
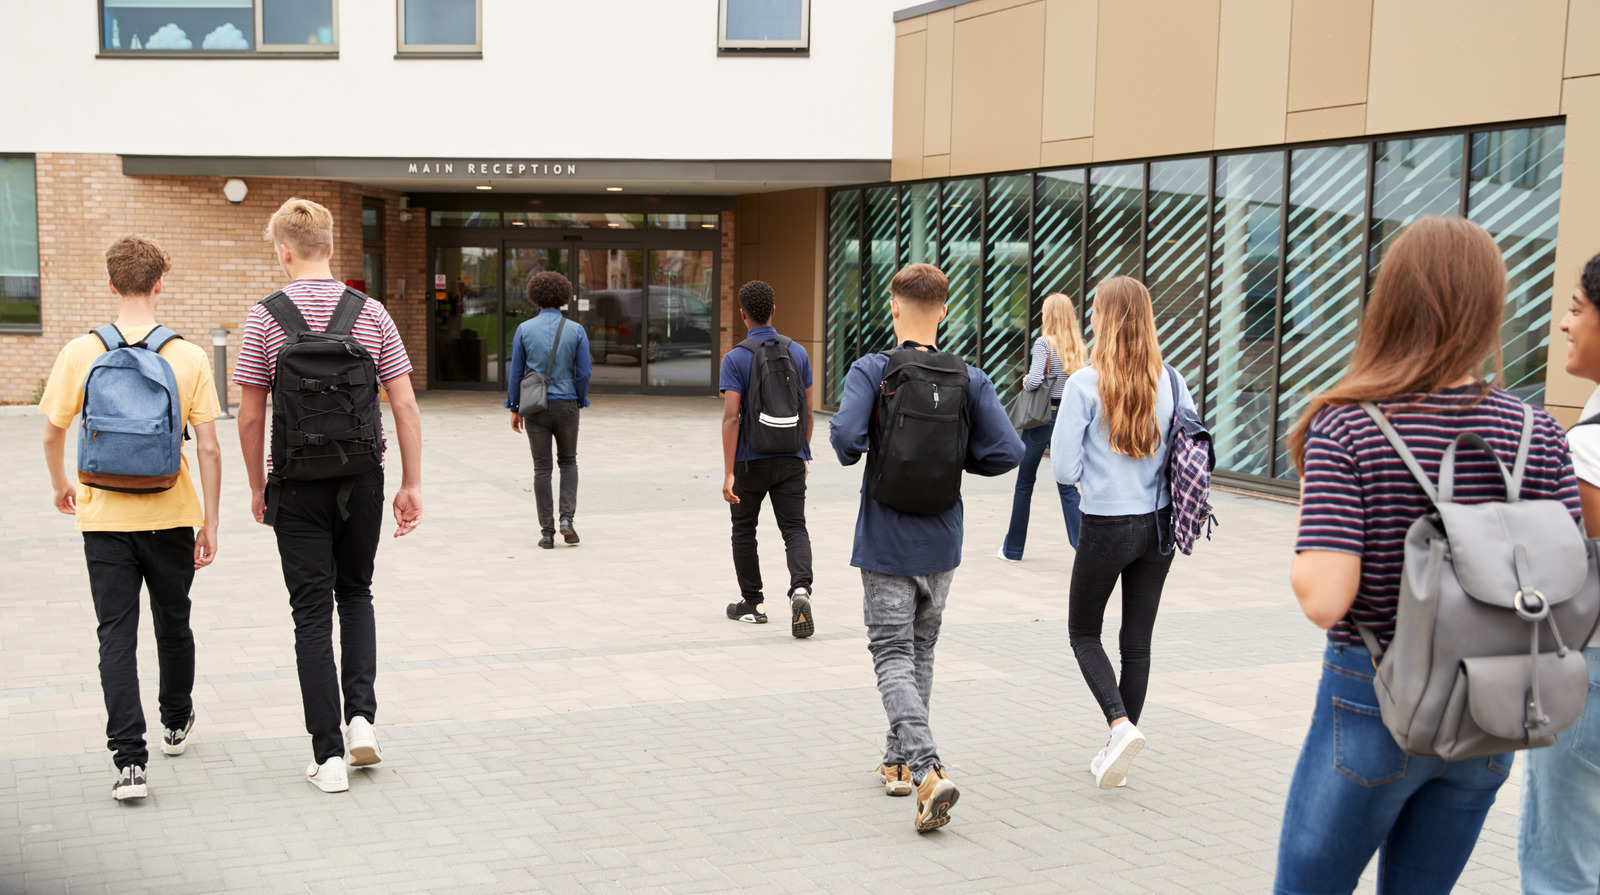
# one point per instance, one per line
(1045, 358)
(1359, 498)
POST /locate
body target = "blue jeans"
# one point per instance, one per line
(1034, 441)
(1557, 848)
(1354, 793)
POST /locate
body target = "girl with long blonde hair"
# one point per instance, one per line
(1057, 354)
(1111, 439)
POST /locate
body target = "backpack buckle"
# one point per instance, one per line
(311, 385)
(313, 438)
(1532, 615)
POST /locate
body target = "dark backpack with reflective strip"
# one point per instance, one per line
(774, 403)
(326, 418)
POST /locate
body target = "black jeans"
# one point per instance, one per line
(784, 479)
(1110, 547)
(327, 561)
(163, 561)
(559, 421)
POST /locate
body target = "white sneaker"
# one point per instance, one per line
(362, 743)
(331, 776)
(1124, 744)
(1098, 760)
(1002, 554)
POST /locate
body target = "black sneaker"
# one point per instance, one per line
(801, 623)
(547, 542)
(568, 533)
(130, 784)
(175, 741)
(753, 613)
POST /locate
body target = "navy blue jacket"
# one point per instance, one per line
(897, 543)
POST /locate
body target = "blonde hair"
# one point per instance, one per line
(304, 226)
(1128, 361)
(1061, 332)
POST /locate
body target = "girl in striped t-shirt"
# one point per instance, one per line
(1431, 323)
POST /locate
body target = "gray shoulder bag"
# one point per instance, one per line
(1496, 601)
(535, 385)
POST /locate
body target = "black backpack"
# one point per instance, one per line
(326, 420)
(774, 403)
(919, 431)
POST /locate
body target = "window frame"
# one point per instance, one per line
(377, 247)
(30, 329)
(265, 48)
(404, 50)
(727, 47)
(258, 50)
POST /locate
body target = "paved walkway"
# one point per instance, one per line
(586, 720)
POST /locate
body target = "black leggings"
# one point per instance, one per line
(1110, 547)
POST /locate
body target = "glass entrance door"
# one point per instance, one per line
(610, 287)
(466, 313)
(522, 262)
(681, 318)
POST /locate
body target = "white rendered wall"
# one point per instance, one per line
(558, 79)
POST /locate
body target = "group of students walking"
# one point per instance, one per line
(1418, 388)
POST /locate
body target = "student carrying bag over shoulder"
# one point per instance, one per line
(919, 431)
(1496, 603)
(534, 394)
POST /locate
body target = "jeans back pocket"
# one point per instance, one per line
(1110, 538)
(1363, 749)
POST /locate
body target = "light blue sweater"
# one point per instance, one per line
(1113, 484)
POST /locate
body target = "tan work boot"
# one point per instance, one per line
(896, 779)
(935, 796)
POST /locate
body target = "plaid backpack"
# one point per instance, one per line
(1189, 463)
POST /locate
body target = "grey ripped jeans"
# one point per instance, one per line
(902, 615)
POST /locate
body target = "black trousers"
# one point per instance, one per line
(558, 422)
(784, 480)
(163, 561)
(327, 562)
(1112, 547)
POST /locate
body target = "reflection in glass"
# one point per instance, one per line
(843, 309)
(19, 246)
(290, 22)
(1006, 339)
(960, 252)
(1515, 192)
(372, 274)
(441, 22)
(1413, 178)
(466, 314)
(464, 218)
(877, 327)
(1244, 299)
(1058, 237)
(1115, 222)
(1175, 266)
(371, 225)
(764, 19)
(681, 317)
(582, 220)
(919, 224)
(521, 265)
(1322, 279)
(609, 285)
(683, 221)
(214, 25)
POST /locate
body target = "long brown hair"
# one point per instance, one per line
(1128, 362)
(1061, 332)
(1434, 317)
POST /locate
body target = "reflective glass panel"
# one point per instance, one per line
(19, 246)
(214, 25)
(371, 225)
(960, 220)
(521, 264)
(680, 318)
(1515, 193)
(609, 285)
(1244, 282)
(682, 221)
(1058, 237)
(1175, 263)
(466, 314)
(844, 288)
(295, 22)
(1006, 334)
(764, 19)
(441, 22)
(919, 224)
(578, 220)
(877, 326)
(1116, 219)
(464, 218)
(372, 275)
(1412, 178)
(1322, 279)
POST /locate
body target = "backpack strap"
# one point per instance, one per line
(555, 345)
(1172, 378)
(159, 337)
(283, 310)
(110, 336)
(1520, 466)
(1399, 445)
(346, 312)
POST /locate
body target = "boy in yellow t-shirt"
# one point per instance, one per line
(129, 539)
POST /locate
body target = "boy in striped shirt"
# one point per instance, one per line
(328, 529)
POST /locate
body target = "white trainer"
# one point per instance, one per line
(1002, 554)
(330, 776)
(362, 742)
(1098, 760)
(1124, 744)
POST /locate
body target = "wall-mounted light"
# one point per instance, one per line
(235, 190)
(613, 189)
(484, 186)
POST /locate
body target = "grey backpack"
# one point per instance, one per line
(1496, 603)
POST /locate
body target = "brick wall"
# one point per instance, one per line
(732, 329)
(221, 265)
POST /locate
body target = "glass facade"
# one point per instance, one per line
(19, 246)
(1258, 263)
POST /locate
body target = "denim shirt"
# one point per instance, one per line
(530, 350)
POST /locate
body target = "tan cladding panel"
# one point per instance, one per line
(1578, 231)
(1252, 73)
(785, 256)
(999, 82)
(1328, 49)
(1583, 38)
(1446, 63)
(910, 91)
(1155, 77)
(1070, 29)
(937, 81)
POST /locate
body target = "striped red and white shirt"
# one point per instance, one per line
(1359, 498)
(316, 299)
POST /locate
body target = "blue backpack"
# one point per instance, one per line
(132, 435)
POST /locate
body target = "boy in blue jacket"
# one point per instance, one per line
(907, 560)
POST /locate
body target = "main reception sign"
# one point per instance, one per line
(494, 169)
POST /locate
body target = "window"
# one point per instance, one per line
(781, 26)
(441, 27)
(219, 27)
(372, 248)
(19, 247)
